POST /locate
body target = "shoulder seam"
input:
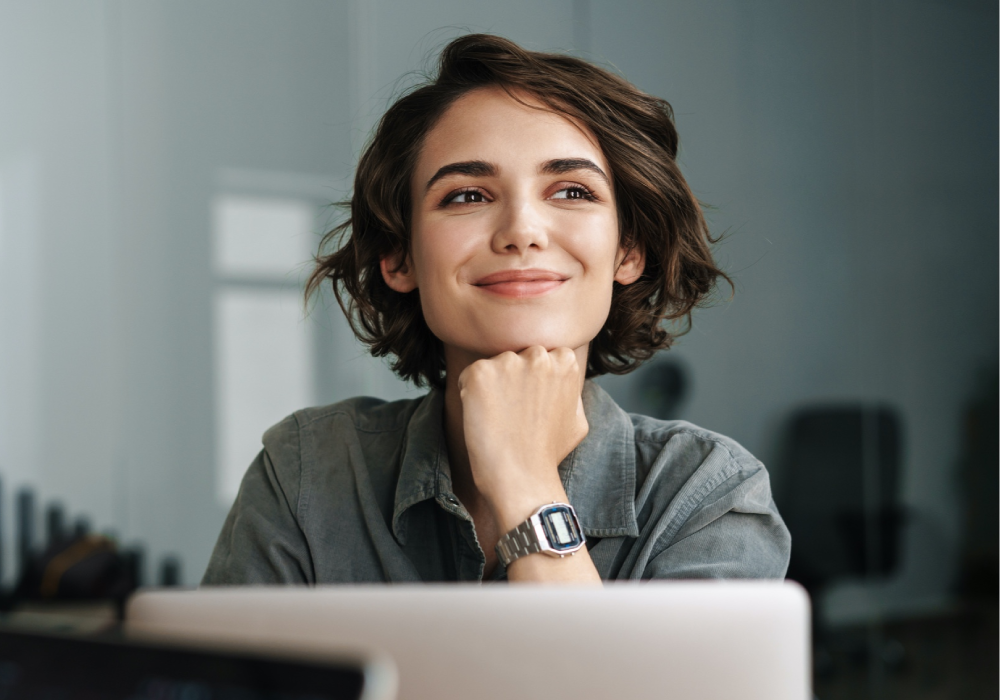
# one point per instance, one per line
(686, 508)
(746, 459)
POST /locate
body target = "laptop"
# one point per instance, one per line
(34, 665)
(683, 639)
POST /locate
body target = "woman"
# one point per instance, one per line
(518, 225)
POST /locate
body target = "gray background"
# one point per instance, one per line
(848, 150)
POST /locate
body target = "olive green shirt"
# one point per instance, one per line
(360, 491)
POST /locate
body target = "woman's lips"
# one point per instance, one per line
(520, 283)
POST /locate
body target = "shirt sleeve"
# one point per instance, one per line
(735, 531)
(261, 541)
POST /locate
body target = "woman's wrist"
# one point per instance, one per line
(512, 508)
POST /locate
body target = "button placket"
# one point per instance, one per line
(472, 561)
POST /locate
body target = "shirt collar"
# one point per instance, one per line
(599, 475)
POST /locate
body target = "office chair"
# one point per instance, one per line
(841, 501)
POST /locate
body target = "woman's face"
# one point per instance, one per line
(514, 230)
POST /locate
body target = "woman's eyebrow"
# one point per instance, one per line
(482, 168)
(560, 166)
(476, 168)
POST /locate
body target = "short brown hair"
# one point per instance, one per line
(657, 213)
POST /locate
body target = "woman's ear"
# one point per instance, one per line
(398, 273)
(631, 263)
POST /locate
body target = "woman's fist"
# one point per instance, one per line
(522, 414)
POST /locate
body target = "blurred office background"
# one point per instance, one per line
(167, 168)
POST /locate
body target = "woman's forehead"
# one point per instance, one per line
(488, 124)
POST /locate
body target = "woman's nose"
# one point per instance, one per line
(521, 227)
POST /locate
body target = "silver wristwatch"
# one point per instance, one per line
(553, 529)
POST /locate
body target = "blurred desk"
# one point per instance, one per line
(86, 617)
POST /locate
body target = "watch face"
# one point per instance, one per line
(561, 528)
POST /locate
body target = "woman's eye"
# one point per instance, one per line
(467, 197)
(575, 192)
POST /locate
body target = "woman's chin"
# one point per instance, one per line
(523, 342)
(482, 340)
(513, 330)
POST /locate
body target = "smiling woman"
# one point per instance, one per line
(520, 249)
(518, 225)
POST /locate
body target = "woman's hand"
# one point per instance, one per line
(522, 414)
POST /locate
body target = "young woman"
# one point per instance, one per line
(518, 225)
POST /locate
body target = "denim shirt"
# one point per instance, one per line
(360, 491)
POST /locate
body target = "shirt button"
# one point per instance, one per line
(451, 499)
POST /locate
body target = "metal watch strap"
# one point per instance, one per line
(518, 542)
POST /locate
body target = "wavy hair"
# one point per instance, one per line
(657, 212)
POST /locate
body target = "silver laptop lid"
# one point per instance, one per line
(703, 639)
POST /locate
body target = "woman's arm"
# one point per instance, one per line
(521, 415)
(733, 532)
(261, 541)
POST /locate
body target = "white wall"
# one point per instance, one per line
(59, 338)
(848, 150)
